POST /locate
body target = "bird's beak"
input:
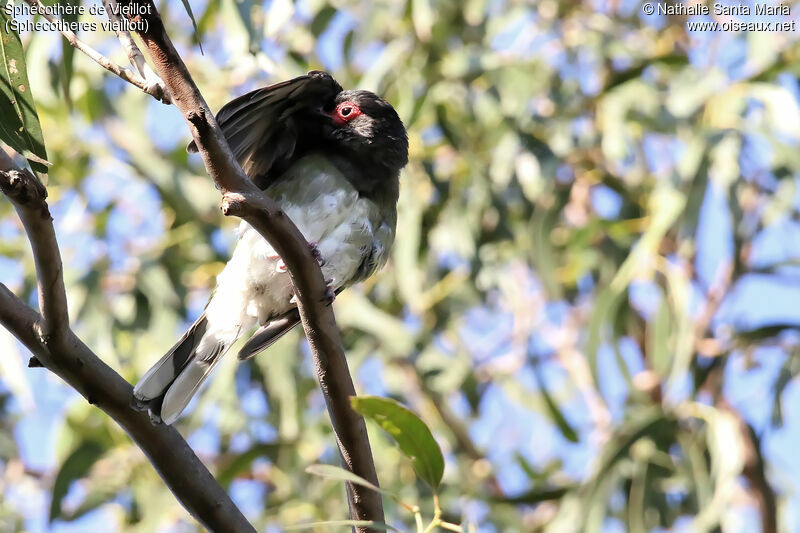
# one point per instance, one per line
(330, 115)
(335, 118)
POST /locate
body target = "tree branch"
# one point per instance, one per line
(242, 198)
(28, 195)
(18, 318)
(153, 89)
(65, 355)
(154, 86)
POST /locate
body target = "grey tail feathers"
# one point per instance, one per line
(170, 384)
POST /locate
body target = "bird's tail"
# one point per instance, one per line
(174, 379)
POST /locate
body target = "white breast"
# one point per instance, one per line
(329, 212)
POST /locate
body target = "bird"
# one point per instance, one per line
(331, 158)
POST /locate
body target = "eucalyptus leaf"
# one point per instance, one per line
(67, 50)
(19, 122)
(75, 466)
(410, 432)
(189, 12)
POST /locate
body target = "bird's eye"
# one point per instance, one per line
(346, 111)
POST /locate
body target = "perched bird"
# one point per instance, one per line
(331, 159)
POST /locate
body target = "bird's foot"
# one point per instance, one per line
(329, 295)
(316, 253)
(327, 298)
(280, 266)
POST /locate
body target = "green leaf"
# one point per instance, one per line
(194, 23)
(542, 253)
(209, 17)
(410, 432)
(241, 461)
(244, 8)
(340, 474)
(535, 496)
(19, 123)
(67, 50)
(322, 19)
(344, 523)
(74, 467)
(607, 305)
(642, 423)
(660, 349)
(675, 60)
(563, 425)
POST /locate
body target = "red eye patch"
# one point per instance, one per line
(345, 112)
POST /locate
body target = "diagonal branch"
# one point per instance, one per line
(65, 355)
(242, 198)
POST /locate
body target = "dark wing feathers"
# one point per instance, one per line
(269, 333)
(265, 128)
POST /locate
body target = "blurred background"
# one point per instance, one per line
(592, 299)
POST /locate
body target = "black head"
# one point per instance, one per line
(369, 128)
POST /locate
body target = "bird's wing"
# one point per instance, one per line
(269, 333)
(269, 128)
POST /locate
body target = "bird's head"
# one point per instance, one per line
(368, 125)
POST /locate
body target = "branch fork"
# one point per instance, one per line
(141, 76)
(54, 346)
(23, 188)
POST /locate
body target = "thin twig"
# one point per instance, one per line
(715, 295)
(755, 473)
(754, 470)
(65, 355)
(123, 72)
(154, 85)
(242, 198)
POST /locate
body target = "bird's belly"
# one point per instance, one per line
(268, 290)
(328, 212)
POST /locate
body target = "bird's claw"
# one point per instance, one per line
(329, 295)
(327, 298)
(316, 253)
(280, 266)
